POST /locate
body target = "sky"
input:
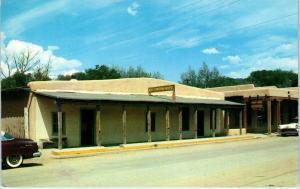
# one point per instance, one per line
(168, 36)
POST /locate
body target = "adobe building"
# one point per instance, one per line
(266, 107)
(119, 111)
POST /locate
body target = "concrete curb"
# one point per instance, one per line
(90, 151)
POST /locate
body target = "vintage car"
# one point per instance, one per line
(289, 129)
(14, 150)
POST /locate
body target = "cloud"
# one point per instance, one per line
(59, 65)
(286, 49)
(2, 36)
(176, 43)
(261, 61)
(232, 59)
(133, 9)
(19, 23)
(42, 13)
(53, 48)
(210, 51)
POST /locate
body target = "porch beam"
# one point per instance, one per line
(124, 115)
(167, 124)
(149, 124)
(59, 124)
(180, 123)
(269, 116)
(98, 126)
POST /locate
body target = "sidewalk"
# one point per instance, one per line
(95, 150)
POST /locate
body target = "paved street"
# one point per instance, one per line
(261, 162)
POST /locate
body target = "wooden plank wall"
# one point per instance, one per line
(14, 126)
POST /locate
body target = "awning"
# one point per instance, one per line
(78, 96)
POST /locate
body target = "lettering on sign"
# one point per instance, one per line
(162, 88)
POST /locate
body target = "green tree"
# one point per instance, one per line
(134, 72)
(279, 78)
(114, 72)
(203, 76)
(101, 72)
(19, 68)
(16, 80)
(208, 78)
(189, 77)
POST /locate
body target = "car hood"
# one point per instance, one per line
(291, 125)
(23, 140)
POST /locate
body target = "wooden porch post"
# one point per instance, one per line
(59, 124)
(124, 125)
(269, 116)
(98, 125)
(245, 116)
(241, 121)
(278, 113)
(213, 122)
(196, 122)
(167, 124)
(227, 121)
(149, 124)
(180, 123)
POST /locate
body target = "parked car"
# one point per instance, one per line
(289, 129)
(14, 150)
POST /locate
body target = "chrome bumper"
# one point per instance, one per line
(37, 154)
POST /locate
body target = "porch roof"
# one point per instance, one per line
(134, 98)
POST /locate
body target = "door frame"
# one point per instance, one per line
(94, 125)
(198, 122)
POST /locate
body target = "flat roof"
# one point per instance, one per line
(136, 86)
(251, 91)
(134, 98)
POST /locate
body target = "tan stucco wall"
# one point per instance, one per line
(41, 123)
(32, 118)
(111, 122)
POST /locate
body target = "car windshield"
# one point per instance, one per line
(6, 136)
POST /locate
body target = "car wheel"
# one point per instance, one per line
(14, 161)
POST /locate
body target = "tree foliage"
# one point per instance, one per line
(205, 77)
(279, 78)
(18, 69)
(16, 80)
(104, 72)
(133, 72)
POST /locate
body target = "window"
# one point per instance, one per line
(55, 123)
(153, 115)
(185, 119)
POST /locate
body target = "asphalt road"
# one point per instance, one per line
(269, 161)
